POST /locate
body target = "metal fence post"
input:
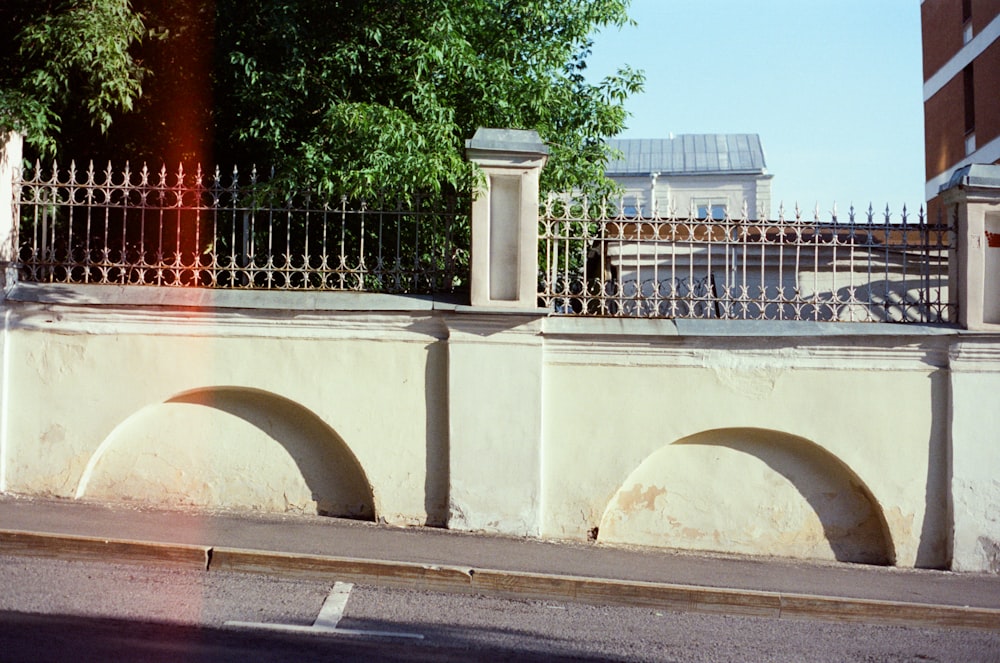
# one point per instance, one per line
(10, 163)
(505, 217)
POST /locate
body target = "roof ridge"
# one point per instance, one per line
(689, 154)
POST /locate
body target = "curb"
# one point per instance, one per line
(90, 548)
(505, 584)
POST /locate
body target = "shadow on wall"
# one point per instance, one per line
(230, 447)
(437, 471)
(749, 491)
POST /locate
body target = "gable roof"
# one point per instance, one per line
(689, 154)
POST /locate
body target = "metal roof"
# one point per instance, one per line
(689, 154)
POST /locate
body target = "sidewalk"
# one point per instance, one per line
(440, 560)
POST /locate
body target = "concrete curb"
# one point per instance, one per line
(63, 546)
(505, 584)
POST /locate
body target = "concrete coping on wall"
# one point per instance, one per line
(508, 147)
(571, 326)
(202, 298)
(554, 325)
(206, 298)
(976, 175)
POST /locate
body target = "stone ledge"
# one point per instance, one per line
(206, 298)
(584, 326)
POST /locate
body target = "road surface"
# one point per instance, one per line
(60, 610)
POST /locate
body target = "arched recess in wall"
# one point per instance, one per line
(230, 447)
(749, 491)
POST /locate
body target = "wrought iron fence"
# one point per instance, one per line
(231, 231)
(210, 230)
(606, 260)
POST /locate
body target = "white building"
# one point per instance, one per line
(701, 172)
(796, 269)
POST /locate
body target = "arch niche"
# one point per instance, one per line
(229, 447)
(749, 491)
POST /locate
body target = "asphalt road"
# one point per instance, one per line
(57, 610)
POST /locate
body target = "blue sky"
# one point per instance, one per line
(833, 87)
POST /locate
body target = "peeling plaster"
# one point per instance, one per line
(754, 377)
(991, 553)
(56, 358)
(748, 491)
(636, 499)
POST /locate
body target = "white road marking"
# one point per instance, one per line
(328, 618)
(333, 607)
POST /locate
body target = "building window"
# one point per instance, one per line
(715, 206)
(969, 90)
(631, 206)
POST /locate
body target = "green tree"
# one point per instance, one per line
(359, 97)
(66, 58)
(348, 97)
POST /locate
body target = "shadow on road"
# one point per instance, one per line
(37, 638)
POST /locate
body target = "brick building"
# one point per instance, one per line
(961, 62)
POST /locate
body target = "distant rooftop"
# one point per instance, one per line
(689, 154)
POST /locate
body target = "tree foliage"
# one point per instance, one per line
(66, 58)
(345, 96)
(360, 96)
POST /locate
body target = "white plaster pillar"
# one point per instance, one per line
(495, 422)
(972, 199)
(495, 347)
(505, 218)
(975, 454)
(10, 161)
(11, 146)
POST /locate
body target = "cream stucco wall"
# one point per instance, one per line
(810, 440)
(975, 443)
(872, 406)
(88, 388)
(857, 442)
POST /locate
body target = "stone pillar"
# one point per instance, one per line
(974, 422)
(505, 218)
(495, 347)
(10, 161)
(972, 199)
(495, 423)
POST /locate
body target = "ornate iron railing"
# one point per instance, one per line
(209, 230)
(596, 259)
(227, 231)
